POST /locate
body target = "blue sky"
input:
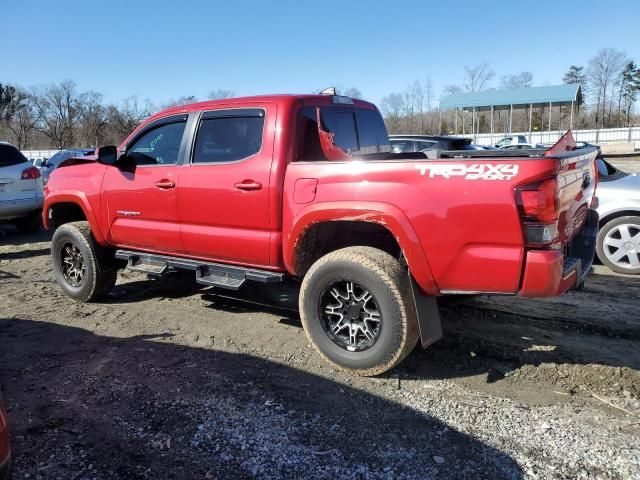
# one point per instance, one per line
(159, 50)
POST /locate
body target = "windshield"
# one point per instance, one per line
(357, 131)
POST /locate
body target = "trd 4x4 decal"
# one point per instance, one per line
(477, 171)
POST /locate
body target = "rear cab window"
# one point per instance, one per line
(356, 130)
(10, 155)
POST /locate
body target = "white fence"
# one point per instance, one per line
(39, 154)
(599, 137)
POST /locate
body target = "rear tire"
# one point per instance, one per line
(368, 292)
(615, 250)
(30, 224)
(75, 266)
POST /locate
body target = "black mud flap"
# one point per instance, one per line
(428, 316)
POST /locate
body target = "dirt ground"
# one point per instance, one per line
(169, 379)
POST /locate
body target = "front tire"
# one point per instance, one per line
(73, 255)
(618, 245)
(357, 310)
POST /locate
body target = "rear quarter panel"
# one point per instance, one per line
(461, 231)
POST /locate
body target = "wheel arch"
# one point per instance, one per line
(64, 207)
(617, 214)
(379, 225)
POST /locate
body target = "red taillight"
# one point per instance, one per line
(30, 173)
(538, 205)
(539, 201)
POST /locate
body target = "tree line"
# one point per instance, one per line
(59, 116)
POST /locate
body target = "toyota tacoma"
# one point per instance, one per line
(264, 188)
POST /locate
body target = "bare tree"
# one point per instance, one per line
(604, 69)
(451, 90)
(478, 78)
(184, 100)
(125, 117)
(352, 92)
(418, 94)
(23, 119)
(94, 117)
(60, 110)
(429, 94)
(521, 80)
(392, 107)
(220, 93)
(408, 106)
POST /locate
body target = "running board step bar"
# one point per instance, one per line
(207, 273)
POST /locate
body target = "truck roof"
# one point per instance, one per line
(283, 99)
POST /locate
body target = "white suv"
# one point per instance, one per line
(20, 190)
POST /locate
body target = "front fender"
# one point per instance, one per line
(79, 198)
(386, 215)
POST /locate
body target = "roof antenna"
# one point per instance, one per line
(328, 91)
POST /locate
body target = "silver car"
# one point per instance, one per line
(21, 194)
(48, 166)
(618, 243)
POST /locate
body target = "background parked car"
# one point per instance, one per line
(522, 146)
(421, 143)
(54, 162)
(21, 194)
(511, 140)
(618, 243)
(5, 448)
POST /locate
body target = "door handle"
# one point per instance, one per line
(248, 185)
(165, 184)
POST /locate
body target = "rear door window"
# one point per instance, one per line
(228, 135)
(10, 155)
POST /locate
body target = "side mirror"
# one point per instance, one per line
(107, 155)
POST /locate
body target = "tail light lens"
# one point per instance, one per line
(538, 202)
(538, 205)
(30, 173)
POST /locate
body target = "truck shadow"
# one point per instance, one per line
(483, 335)
(83, 405)
(9, 235)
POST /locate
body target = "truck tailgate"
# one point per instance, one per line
(576, 184)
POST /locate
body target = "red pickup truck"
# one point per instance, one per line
(306, 187)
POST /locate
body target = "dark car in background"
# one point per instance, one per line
(5, 448)
(421, 143)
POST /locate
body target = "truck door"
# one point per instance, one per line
(223, 191)
(139, 193)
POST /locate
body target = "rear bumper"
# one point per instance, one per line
(548, 273)
(19, 208)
